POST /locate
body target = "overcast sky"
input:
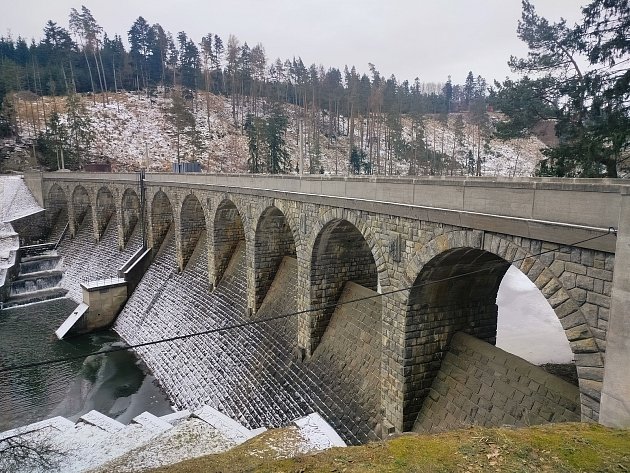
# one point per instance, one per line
(429, 39)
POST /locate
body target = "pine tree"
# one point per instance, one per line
(80, 128)
(469, 89)
(276, 141)
(256, 131)
(590, 103)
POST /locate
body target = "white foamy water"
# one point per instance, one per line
(528, 326)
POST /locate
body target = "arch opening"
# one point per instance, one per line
(81, 203)
(454, 292)
(56, 210)
(130, 212)
(451, 311)
(273, 241)
(522, 304)
(228, 233)
(105, 209)
(161, 219)
(346, 324)
(193, 224)
(340, 255)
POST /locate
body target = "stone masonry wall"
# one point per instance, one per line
(350, 349)
(455, 291)
(81, 204)
(274, 241)
(427, 344)
(161, 218)
(480, 384)
(228, 233)
(130, 213)
(193, 223)
(341, 255)
(105, 208)
(56, 206)
(400, 247)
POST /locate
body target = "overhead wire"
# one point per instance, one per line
(487, 267)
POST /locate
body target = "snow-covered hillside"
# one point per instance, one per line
(133, 131)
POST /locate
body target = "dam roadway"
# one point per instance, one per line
(432, 251)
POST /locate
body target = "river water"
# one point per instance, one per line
(115, 384)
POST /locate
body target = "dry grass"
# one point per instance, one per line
(552, 448)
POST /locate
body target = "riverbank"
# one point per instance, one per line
(555, 447)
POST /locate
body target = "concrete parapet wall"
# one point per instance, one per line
(480, 384)
(531, 207)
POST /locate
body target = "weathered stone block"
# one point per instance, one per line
(557, 268)
(602, 274)
(575, 267)
(584, 282)
(598, 299)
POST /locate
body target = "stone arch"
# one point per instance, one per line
(105, 209)
(130, 213)
(161, 218)
(361, 225)
(57, 207)
(274, 239)
(290, 214)
(436, 310)
(340, 254)
(192, 225)
(81, 204)
(229, 232)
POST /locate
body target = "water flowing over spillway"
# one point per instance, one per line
(249, 373)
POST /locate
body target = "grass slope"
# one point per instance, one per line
(550, 448)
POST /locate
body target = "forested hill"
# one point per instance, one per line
(133, 131)
(82, 87)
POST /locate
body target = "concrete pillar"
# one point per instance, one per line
(95, 220)
(209, 210)
(72, 224)
(615, 401)
(119, 222)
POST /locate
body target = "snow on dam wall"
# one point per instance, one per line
(84, 260)
(250, 373)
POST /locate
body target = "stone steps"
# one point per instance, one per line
(97, 442)
(35, 296)
(35, 281)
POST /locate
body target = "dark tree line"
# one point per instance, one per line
(382, 117)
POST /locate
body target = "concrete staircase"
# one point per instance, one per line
(38, 280)
(98, 443)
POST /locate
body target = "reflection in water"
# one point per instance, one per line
(528, 327)
(114, 384)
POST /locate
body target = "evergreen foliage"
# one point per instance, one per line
(382, 118)
(266, 139)
(590, 105)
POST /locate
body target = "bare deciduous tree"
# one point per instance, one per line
(28, 451)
